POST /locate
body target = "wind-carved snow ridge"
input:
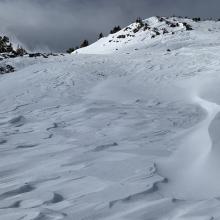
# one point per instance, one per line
(193, 170)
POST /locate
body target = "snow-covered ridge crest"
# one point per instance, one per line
(141, 31)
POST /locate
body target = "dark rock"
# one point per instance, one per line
(121, 36)
(6, 69)
(187, 26)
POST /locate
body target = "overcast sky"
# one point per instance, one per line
(56, 25)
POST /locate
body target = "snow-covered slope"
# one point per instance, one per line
(141, 33)
(114, 134)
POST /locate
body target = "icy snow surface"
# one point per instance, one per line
(115, 131)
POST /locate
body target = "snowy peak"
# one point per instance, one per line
(155, 26)
(140, 31)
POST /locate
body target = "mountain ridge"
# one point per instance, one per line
(147, 31)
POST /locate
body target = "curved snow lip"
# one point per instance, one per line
(193, 170)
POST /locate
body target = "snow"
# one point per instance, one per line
(114, 42)
(115, 134)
